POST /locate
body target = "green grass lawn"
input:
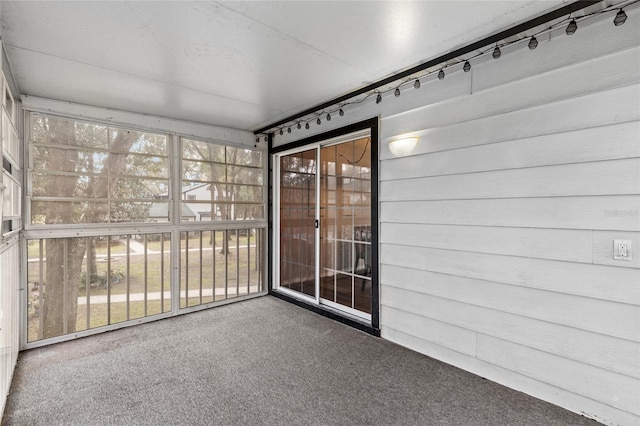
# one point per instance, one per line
(99, 318)
(119, 245)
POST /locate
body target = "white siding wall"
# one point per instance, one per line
(9, 257)
(497, 231)
(9, 314)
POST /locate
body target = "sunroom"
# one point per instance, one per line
(459, 178)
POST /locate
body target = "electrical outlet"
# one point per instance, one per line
(622, 250)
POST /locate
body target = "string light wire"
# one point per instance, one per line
(530, 38)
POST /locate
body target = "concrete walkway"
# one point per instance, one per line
(156, 295)
(258, 362)
(135, 246)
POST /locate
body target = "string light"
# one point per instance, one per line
(619, 19)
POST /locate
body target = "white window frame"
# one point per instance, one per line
(174, 226)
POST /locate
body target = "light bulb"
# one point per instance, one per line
(416, 84)
(441, 75)
(306, 126)
(318, 121)
(496, 53)
(299, 126)
(341, 112)
(289, 130)
(396, 93)
(281, 132)
(533, 43)
(620, 18)
(466, 67)
(572, 27)
(328, 117)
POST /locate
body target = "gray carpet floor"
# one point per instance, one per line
(258, 362)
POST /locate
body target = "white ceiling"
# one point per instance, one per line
(235, 64)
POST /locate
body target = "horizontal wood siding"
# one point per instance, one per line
(584, 112)
(9, 314)
(591, 212)
(497, 231)
(617, 355)
(614, 177)
(589, 407)
(569, 147)
(587, 280)
(600, 74)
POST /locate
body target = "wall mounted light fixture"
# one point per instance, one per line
(402, 146)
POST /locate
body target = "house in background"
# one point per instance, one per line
(159, 212)
(478, 202)
(195, 211)
(201, 192)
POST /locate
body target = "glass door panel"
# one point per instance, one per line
(345, 224)
(297, 221)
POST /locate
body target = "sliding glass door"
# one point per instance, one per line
(324, 223)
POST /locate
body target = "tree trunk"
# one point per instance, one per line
(60, 307)
(61, 289)
(224, 210)
(65, 255)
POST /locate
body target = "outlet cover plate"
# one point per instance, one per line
(622, 250)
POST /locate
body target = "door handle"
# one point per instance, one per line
(317, 224)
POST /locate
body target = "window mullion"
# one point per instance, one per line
(175, 172)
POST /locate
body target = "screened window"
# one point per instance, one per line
(94, 173)
(77, 284)
(84, 278)
(10, 140)
(10, 182)
(227, 182)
